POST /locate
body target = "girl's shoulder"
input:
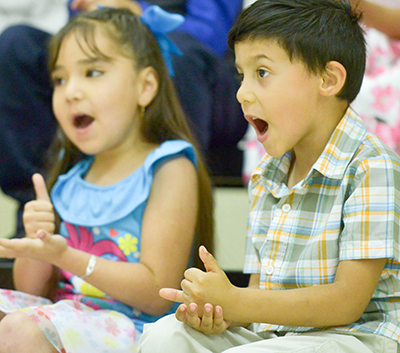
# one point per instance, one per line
(82, 203)
(170, 149)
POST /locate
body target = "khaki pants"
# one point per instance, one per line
(168, 335)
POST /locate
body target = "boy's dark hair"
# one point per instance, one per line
(313, 31)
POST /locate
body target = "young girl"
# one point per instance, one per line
(129, 209)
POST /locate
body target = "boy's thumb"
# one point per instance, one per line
(40, 187)
(209, 261)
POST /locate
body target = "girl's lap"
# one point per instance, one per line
(72, 326)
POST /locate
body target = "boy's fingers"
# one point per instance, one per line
(181, 313)
(40, 187)
(209, 261)
(193, 319)
(207, 319)
(171, 294)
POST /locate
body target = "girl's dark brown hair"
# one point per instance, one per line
(164, 118)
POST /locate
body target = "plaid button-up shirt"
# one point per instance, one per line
(347, 208)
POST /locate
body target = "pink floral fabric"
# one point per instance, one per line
(378, 102)
(73, 327)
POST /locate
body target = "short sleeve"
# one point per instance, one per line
(371, 212)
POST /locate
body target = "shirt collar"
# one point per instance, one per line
(343, 143)
(332, 163)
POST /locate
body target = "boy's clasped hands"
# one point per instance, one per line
(202, 296)
(40, 243)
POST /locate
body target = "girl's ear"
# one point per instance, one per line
(149, 86)
(333, 79)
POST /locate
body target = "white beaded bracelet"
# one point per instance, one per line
(90, 266)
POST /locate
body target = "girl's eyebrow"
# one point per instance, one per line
(86, 61)
(94, 60)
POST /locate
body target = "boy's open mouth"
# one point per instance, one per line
(82, 121)
(261, 126)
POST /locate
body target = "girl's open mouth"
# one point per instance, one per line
(82, 121)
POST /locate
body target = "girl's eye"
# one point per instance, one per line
(93, 73)
(58, 81)
(262, 73)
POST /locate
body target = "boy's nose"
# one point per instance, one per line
(244, 94)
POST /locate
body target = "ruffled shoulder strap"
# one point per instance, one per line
(82, 203)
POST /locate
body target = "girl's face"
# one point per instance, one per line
(96, 100)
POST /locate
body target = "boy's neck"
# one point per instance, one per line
(305, 157)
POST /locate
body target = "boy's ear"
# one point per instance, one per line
(333, 79)
(149, 86)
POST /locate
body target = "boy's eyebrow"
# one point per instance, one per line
(255, 58)
(262, 56)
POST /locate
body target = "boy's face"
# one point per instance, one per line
(279, 97)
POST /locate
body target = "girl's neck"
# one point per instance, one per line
(113, 166)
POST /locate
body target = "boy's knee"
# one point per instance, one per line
(164, 333)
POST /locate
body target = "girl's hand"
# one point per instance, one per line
(45, 247)
(39, 213)
(91, 5)
(211, 322)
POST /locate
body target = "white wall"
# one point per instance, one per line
(47, 15)
(8, 221)
(247, 2)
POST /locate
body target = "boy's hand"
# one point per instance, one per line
(39, 214)
(90, 5)
(211, 322)
(45, 247)
(201, 287)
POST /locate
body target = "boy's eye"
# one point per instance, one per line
(93, 73)
(262, 73)
(239, 76)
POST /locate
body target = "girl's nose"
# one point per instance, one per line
(73, 91)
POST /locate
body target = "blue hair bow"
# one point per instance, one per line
(161, 22)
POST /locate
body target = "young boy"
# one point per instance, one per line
(323, 240)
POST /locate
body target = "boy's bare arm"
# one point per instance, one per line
(339, 303)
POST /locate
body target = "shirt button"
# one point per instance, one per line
(269, 270)
(286, 208)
